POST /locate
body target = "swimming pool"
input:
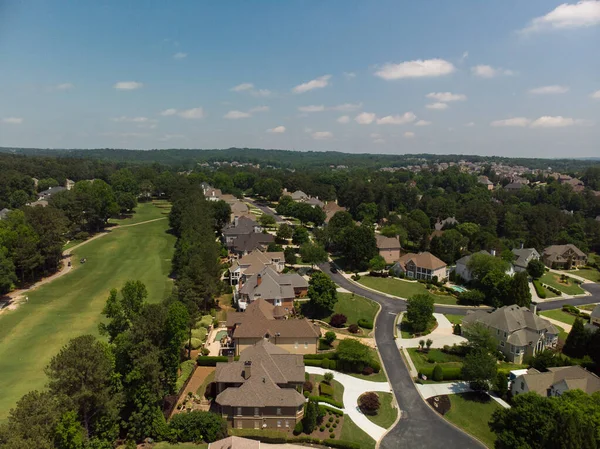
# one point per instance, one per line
(220, 335)
(458, 289)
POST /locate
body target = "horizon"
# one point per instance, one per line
(508, 79)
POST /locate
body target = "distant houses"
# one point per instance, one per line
(244, 235)
(4, 213)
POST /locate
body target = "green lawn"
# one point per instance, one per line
(401, 288)
(424, 360)
(588, 307)
(406, 328)
(386, 415)
(559, 315)
(354, 307)
(144, 212)
(377, 377)
(71, 305)
(454, 319)
(202, 388)
(552, 280)
(472, 412)
(187, 368)
(351, 432)
(588, 273)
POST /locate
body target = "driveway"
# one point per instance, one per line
(430, 390)
(353, 388)
(265, 210)
(441, 336)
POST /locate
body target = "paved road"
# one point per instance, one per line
(265, 210)
(420, 426)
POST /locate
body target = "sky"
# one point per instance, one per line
(508, 78)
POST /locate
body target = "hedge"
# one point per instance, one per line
(539, 289)
(325, 390)
(449, 372)
(207, 360)
(311, 362)
(365, 324)
(335, 411)
(277, 437)
(326, 355)
(326, 400)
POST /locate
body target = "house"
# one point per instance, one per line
(239, 209)
(523, 257)
(518, 330)
(245, 244)
(564, 256)
(595, 316)
(421, 266)
(299, 195)
(389, 248)
(4, 213)
(314, 202)
(238, 227)
(262, 390)
(331, 207)
(69, 184)
(35, 182)
(253, 263)
(461, 269)
(46, 194)
(264, 321)
(212, 194)
(556, 381)
(514, 186)
(486, 182)
(235, 443)
(275, 288)
(446, 223)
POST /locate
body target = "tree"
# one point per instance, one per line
(438, 373)
(197, 427)
(501, 385)
(330, 337)
(577, 340)
(69, 433)
(481, 264)
(300, 235)
(290, 255)
(338, 320)
(7, 272)
(284, 232)
(352, 351)
(122, 310)
(536, 268)
(267, 221)
(479, 337)
(479, 368)
(471, 297)
(322, 292)
(82, 374)
(419, 311)
(50, 225)
(521, 295)
(358, 246)
(449, 245)
(126, 201)
(428, 343)
(309, 422)
(369, 403)
(328, 377)
(268, 188)
(46, 183)
(274, 247)
(221, 212)
(377, 263)
(313, 253)
(176, 332)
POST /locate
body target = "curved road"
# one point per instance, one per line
(420, 426)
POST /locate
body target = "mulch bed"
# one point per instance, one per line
(440, 404)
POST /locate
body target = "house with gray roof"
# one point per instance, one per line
(299, 195)
(556, 381)
(276, 288)
(523, 256)
(518, 330)
(446, 223)
(47, 194)
(262, 390)
(245, 244)
(238, 227)
(253, 263)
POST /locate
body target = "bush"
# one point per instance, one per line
(539, 289)
(330, 419)
(332, 435)
(355, 277)
(322, 428)
(307, 393)
(337, 420)
(334, 425)
(325, 390)
(308, 386)
(326, 400)
(330, 337)
(194, 342)
(205, 321)
(311, 362)
(338, 320)
(298, 428)
(327, 378)
(369, 403)
(353, 328)
(365, 324)
(264, 435)
(199, 333)
(205, 351)
(198, 426)
(332, 365)
(329, 355)
(367, 371)
(457, 329)
(326, 409)
(438, 373)
(210, 360)
(375, 365)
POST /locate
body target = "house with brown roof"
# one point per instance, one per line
(564, 256)
(276, 288)
(486, 182)
(518, 331)
(556, 381)
(264, 321)
(330, 208)
(421, 266)
(263, 390)
(254, 262)
(389, 247)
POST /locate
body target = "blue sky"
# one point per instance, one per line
(511, 77)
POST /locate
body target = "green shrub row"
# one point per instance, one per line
(325, 390)
(553, 290)
(327, 355)
(327, 400)
(539, 289)
(206, 360)
(276, 437)
(448, 372)
(365, 324)
(335, 411)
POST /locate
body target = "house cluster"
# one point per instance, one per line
(238, 208)
(44, 196)
(329, 207)
(518, 331)
(243, 235)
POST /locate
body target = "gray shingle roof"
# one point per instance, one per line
(573, 377)
(511, 319)
(524, 255)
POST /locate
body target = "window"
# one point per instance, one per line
(256, 411)
(278, 423)
(504, 334)
(257, 424)
(498, 331)
(305, 345)
(296, 345)
(278, 302)
(287, 424)
(502, 343)
(239, 410)
(239, 424)
(278, 411)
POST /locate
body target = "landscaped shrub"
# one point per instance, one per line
(325, 390)
(323, 345)
(332, 365)
(365, 324)
(322, 428)
(308, 385)
(369, 403)
(327, 400)
(328, 425)
(311, 362)
(327, 378)
(456, 330)
(438, 373)
(329, 355)
(353, 328)
(205, 321)
(199, 333)
(338, 320)
(334, 411)
(375, 365)
(198, 426)
(539, 289)
(334, 425)
(330, 419)
(264, 435)
(194, 342)
(205, 351)
(355, 277)
(298, 428)
(337, 420)
(330, 337)
(325, 364)
(332, 435)
(368, 371)
(210, 360)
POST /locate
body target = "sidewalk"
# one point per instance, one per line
(441, 336)
(565, 326)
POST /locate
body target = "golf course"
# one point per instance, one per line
(71, 305)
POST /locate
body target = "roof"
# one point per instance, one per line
(235, 443)
(298, 195)
(447, 221)
(252, 241)
(556, 253)
(465, 259)
(423, 260)
(331, 208)
(484, 180)
(270, 366)
(268, 284)
(4, 213)
(255, 261)
(514, 186)
(244, 225)
(314, 201)
(524, 255)
(564, 377)
(384, 242)
(511, 319)
(596, 312)
(261, 318)
(51, 191)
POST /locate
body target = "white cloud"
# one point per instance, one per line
(259, 109)
(233, 115)
(350, 75)
(168, 112)
(446, 96)
(242, 87)
(365, 118)
(317, 83)
(545, 90)
(343, 119)
(276, 130)
(379, 141)
(487, 71)
(470, 124)
(596, 95)
(12, 120)
(422, 123)
(409, 134)
(516, 121)
(127, 85)
(415, 69)
(194, 113)
(312, 108)
(437, 106)
(407, 117)
(554, 122)
(322, 135)
(584, 13)
(346, 107)
(64, 86)
(180, 55)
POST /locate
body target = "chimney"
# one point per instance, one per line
(235, 221)
(230, 358)
(258, 279)
(533, 307)
(247, 369)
